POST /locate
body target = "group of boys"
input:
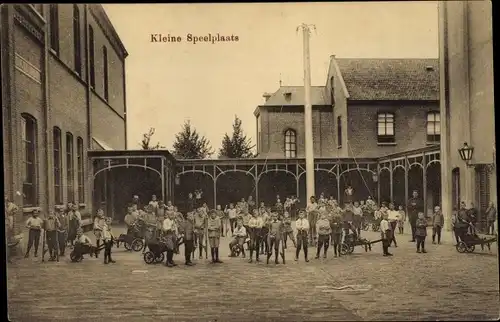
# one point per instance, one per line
(60, 226)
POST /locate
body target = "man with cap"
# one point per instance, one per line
(34, 224)
(414, 205)
(213, 226)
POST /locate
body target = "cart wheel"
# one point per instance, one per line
(344, 249)
(160, 258)
(461, 247)
(149, 257)
(127, 246)
(73, 257)
(236, 250)
(470, 248)
(137, 245)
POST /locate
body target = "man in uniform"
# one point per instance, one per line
(213, 227)
(414, 205)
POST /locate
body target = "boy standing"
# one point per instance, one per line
(107, 238)
(187, 229)
(437, 224)
(302, 226)
(421, 232)
(287, 223)
(214, 226)
(385, 231)
(34, 224)
(51, 225)
(324, 232)
(274, 237)
(199, 230)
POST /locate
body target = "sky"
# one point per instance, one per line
(208, 84)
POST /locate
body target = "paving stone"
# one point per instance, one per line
(439, 285)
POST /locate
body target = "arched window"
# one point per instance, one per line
(57, 166)
(81, 177)
(29, 160)
(290, 144)
(70, 168)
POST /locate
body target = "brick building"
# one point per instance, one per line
(368, 109)
(63, 94)
(466, 53)
(375, 107)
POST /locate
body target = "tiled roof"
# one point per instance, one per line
(297, 96)
(390, 79)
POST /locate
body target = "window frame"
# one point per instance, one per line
(70, 168)
(290, 145)
(386, 138)
(92, 57)
(29, 139)
(434, 138)
(54, 27)
(339, 131)
(77, 41)
(57, 169)
(80, 150)
(105, 72)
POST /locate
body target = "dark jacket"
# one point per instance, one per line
(421, 228)
(187, 228)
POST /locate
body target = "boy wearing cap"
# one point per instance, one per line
(214, 226)
(34, 224)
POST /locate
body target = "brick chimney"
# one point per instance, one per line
(266, 96)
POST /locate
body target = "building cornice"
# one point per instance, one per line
(102, 19)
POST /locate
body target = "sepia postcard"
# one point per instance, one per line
(330, 161)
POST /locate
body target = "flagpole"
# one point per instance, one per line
(309, 149)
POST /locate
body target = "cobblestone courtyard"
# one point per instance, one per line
(439, 285)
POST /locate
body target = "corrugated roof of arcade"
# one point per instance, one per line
(411, 79)
(294, 96)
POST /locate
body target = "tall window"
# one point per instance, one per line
(290, 144)
(433, 127)
(105, 73)
(70, 169)
(54, 27)
(77, 39)
(339, 131)
(57, 166)
(258, 134)
(332, 91)
(81, 178)
(385, 128)
(91, 57)
(29, 160)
